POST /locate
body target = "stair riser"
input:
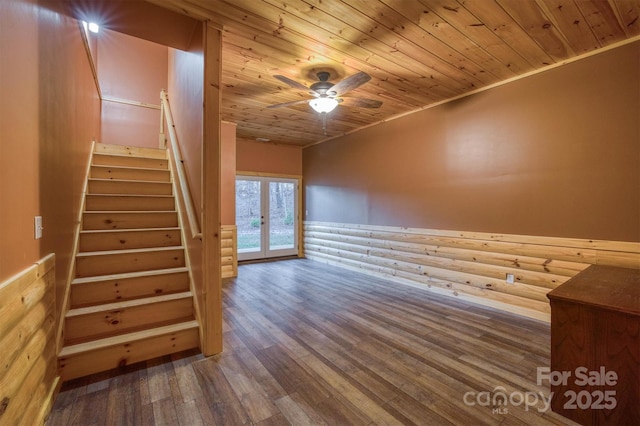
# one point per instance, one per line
(144, 163)
(136, 151)
(124, 354)
(125, 240)
(104, 172)
(99, 325)
(118, 263)
(130, 203)
(129, 187)
(97, 221)
(116, 290)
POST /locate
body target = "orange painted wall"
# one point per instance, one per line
(554, 154)
(133, 69)
(185, 91)
(260, 157)
(186, 96)
(49, 114)
(228, 173)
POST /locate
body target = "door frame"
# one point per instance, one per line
(298, 215)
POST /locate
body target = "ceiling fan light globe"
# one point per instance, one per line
(323, 104)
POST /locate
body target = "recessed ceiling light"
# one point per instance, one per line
(91, 26)
(263, 139)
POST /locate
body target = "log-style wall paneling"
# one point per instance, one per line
(229, 251)
(27, 341)
(469, 265)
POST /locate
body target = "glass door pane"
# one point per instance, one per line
(282, 214)
(266, 217)
(249, 218)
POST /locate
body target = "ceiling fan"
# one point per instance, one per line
(327, 95)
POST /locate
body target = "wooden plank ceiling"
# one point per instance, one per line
(418, 52)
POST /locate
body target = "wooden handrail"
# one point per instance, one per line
(129, 102)
(192, 218)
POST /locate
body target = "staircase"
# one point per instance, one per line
(130, 300)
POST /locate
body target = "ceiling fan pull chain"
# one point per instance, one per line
(324, 123)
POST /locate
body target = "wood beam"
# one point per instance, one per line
(211, 231)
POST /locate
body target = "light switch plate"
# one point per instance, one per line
(38, 227)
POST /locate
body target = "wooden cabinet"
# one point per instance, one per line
(595, 347)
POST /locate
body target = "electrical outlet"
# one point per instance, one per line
(38, 227)
(510, 278)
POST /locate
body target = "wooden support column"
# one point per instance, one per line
(211, 232)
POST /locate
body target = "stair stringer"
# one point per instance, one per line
(179, 197)
(74, 253)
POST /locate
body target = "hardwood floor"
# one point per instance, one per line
(306, 343)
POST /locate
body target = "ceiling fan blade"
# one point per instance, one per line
(293, 83)
(361, 102)
(286, 104)
(350, 83)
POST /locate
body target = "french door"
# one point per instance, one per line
(266, 217)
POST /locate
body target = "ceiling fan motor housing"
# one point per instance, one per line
(322, 87)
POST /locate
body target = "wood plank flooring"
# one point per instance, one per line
(307, 343)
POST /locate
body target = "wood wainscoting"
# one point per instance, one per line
(27, 338)
(473, 266)
(229, 251)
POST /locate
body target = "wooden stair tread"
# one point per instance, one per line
(126, 275)
(127, 304)
(129, 195)
(128, 150)
(128, 251)
(105, 166)
(108, 231)
(129, 181)
(128, 211)
(106, 342)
